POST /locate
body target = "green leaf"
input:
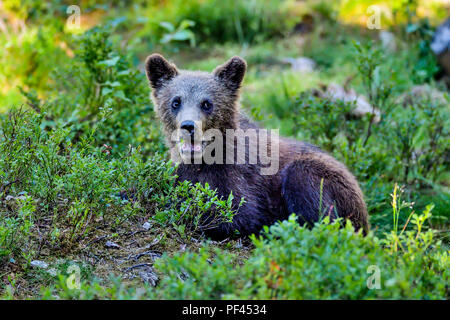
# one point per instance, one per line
(106, 91)
(183, 35)
(167, 25)
(121, 95)
(186, 24)
(412, 28)
(110, 62)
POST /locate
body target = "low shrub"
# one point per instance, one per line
(289, 261)
(326, 262)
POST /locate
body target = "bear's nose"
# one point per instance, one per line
(189, 126)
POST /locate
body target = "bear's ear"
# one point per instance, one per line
(231, 72)
(159, 70)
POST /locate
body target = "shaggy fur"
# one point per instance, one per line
(295, 188)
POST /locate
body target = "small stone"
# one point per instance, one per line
(337, 92)
(441, 46)
(53, 272)
(113, 245)
(441, 38)
(388, 40)
(39, 264)
(301, 64)
(422, 93)
(146, 226)
(149, 276)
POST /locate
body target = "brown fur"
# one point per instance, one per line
(295, 188)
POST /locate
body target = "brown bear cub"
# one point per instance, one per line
(299, 178)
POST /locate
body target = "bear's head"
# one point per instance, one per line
(190, 103)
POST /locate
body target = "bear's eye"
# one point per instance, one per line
(206, 106)
(176, 103)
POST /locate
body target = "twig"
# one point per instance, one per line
(3, 187)
(137, 266)
(150, 253)
(95, 240)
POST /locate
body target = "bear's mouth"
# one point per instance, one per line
(191, 150)
(194, 149)
(187, 147)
